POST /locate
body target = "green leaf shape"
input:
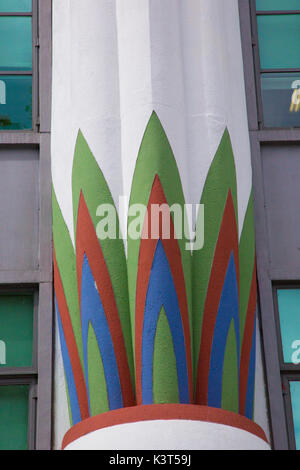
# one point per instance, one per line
(220, 179)
(88, 178)
(230, 384)
(155, 158)
(66, 262)
(246, 260)
(96, 377)
(165, 381)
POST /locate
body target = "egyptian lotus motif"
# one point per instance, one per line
(162, 325)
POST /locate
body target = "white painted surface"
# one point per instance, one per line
(215, 91)
(169, 435)
(115, 61)
(149, 34)
(85, 93)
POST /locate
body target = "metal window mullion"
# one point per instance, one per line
(45, 322)
(35, 330)
(289, 368)
(277, 12)
(257, 65)
(283, 70)
(277, 325)
(282, 135)
(249, 71)
(16, 72)
(45, 64)
(6, 381)
(32, 405)
(18, 372)
(45, 344)
(35, 66)
(14, 13)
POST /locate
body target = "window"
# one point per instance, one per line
(287, 310)
(18, 369)
(277, 27)
(270, 31)
(26, 293)
(17, 64)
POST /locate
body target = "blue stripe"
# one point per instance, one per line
(92, 311)
(74, 404)
(161, 292)
(249, 408)
(228, 310)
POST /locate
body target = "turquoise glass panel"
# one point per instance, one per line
(15, 102)
(16, 330)
(279, 41)
(289, 316)
(14, 417)
(281, 99)
(15, 43)
(20, 6)
(269, 5)
(295, 397)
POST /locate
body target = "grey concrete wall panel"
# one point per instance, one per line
(19, 208)
(281, 175)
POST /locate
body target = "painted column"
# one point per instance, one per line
(157, 342)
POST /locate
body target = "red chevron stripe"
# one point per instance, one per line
(71, 343)
(247, 343)
(226, 244)
(88, 243)
(146, 255)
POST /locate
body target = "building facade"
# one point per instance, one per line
(163, 312)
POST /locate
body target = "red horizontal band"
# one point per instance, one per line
(162, 412)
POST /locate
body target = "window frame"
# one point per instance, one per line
(32, 397)
(289, 372)
(285, 367)
(286, 379)
(258, 70)
(34, 14)
(24, 371)
(267, 275)
(25, 375)
(40, 277)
